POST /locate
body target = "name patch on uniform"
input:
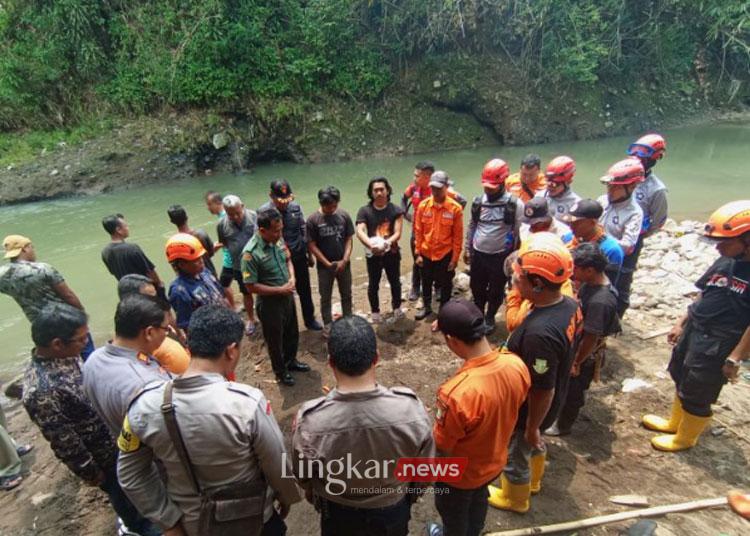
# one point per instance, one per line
(440, 411)
(540, 366)
(127, 441)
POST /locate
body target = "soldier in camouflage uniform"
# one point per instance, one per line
(54, 399)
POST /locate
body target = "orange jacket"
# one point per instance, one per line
(439, 229)
(513, 185)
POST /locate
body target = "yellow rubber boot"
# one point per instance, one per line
(536, 463)
(497, 493)
(691, 427)
(513, 497)
(660, 424)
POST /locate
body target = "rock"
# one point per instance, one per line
(608, 124)
(462, 282)
(368, 117)
(54, 173)
(220, 140)
(39, 498)
(437, 84)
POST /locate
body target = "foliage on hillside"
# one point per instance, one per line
(63, 61)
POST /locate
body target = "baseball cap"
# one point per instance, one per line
(440, 179)
(536, 210)
(280, 189)
(13, 245)
(462, 319)
(583, 210)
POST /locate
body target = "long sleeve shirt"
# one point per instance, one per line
(622, 220)
(439, 229)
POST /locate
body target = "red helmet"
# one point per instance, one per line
(649, 147)
(628, 171)
(561, 169)
(495, 172)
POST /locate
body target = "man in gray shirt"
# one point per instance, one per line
(360, 423)
(114, 373)
(236, 227)
(228, 431)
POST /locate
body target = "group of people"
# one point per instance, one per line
(199, 453)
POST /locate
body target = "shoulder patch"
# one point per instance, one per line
(405, 391)
(127, 441)
(243, 389)
(540, 366)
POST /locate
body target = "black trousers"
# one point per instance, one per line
(625, 279)
(488, 281)
(339, 520)
(463, 511)
(695, 367)
(576, 399)
(302, 276)
(391, 263)
(436, 272)
(416, 271)
(278, 318)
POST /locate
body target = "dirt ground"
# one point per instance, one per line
(608, 453)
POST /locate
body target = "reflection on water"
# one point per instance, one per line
(705, 166)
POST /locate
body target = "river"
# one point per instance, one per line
(705, 166)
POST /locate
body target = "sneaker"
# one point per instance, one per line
(433, 529)
(375, 318)
(423, 313)
(414, 294)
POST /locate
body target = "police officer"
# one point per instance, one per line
(476, 413)
(228, 431)
(714, 336)
(623, 218)
(546, 341)
(559, 175)
(360, 424)
(493, 233)
(651, 194)
(267, 271)
(295, 237)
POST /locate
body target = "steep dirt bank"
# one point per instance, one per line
(448, 104)
(608, 453)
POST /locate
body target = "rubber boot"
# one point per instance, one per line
(514, 497)
(660, 424)
(536, 464)
(691, 427)
(497, 493)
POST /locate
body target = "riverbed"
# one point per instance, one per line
(705, 166)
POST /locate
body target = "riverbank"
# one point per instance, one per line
(608, 453)
(442, 106)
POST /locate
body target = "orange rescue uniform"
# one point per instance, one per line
(513, 185)
(477, 411)
(439, 229)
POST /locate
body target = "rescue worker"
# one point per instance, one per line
(559, 175)
(546, 341)
(537, 219)
(415, 193)
(54, 400)
(476, 413)
(493, 234)
(368, 425)
(227, 431)
(295, 237)
(651, 194)
(235, 229)
(713, 337)
(178, 216)
(438, 234)
(195, 286)
(267, 270)
(529, 182)
(622, 219)
(598, 300)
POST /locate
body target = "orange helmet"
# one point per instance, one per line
(561, 169)
(495, 172)
(628, 171)
(545, 255)
(648, 147)
(729, 221)
(184, 246)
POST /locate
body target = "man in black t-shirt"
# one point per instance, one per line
(379, 226)
(122, 258)
(329, 239)
(598, 300)
(714, 336)
(546, 342)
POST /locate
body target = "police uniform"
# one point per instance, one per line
(475, 418)
(560, 206)
(266, 264)
(651, 195)
(378, 426)
(295, 237)
(230, 435)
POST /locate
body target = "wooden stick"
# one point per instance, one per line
(612, 518)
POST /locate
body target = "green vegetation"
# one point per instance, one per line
(65, 61)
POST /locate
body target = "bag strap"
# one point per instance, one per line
(170, 419)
